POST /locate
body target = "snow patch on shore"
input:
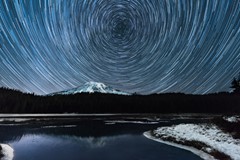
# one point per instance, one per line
(62, 126)
(232, 119)
(210, 135)
(14, 119)
(134, 122)
(7, 151)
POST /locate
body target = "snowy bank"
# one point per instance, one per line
(7, 152)
(133, 122)
(232, 119)
(207, 138)
(62, 126)
(14, 119)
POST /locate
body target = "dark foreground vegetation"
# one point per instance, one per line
(228, 127)
(1, 154)
(17, 102)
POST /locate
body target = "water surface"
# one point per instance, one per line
(87, 139)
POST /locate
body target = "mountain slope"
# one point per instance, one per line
(92, 87)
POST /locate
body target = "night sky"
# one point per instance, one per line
(143, 46)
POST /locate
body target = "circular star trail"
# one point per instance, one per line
(143, 46)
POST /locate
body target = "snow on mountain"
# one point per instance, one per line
(92, 87)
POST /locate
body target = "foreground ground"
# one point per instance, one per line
(218, 139)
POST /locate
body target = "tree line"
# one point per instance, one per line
(18, 102)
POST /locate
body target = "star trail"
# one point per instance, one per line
(143, 46)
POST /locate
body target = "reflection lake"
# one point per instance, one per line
(90, 137)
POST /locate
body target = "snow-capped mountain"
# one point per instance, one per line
(92, 87)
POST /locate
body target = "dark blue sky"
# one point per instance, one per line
(143, 46)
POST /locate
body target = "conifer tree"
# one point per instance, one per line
(235, 85)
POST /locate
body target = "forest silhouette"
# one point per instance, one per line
(12, 101)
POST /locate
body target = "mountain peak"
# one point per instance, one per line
(93, 87)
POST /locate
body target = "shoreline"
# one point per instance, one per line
(116, 115)
(195, 151)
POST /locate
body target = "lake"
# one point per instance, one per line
(89, 138)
